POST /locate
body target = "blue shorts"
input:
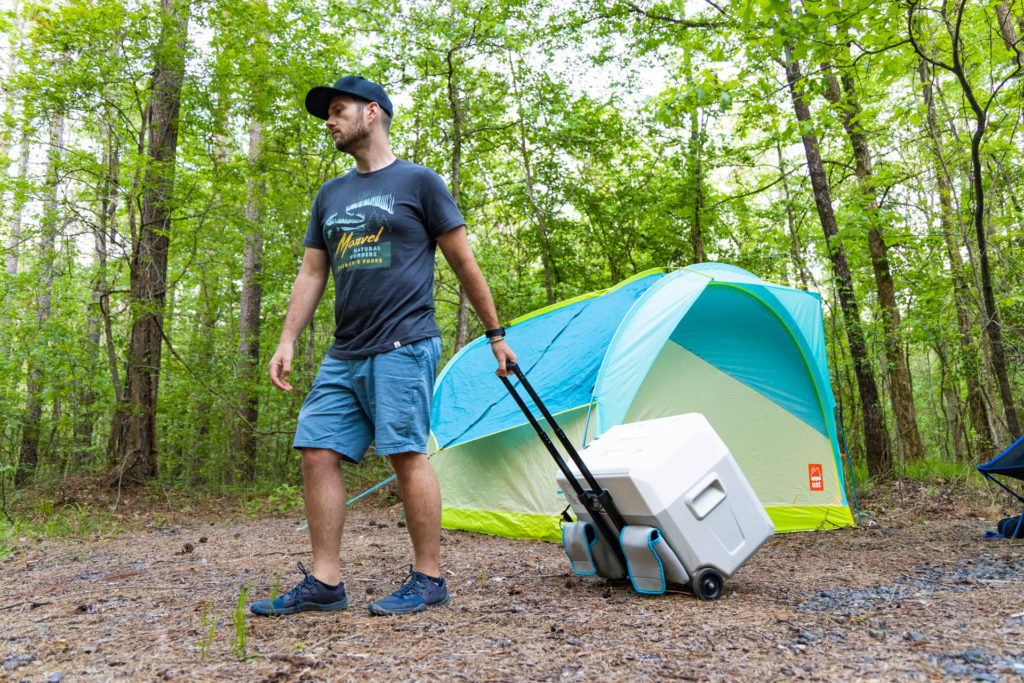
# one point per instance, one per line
(383, 398)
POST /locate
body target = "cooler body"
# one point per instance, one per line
(675, 474)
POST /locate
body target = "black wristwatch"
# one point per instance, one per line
(497, 332)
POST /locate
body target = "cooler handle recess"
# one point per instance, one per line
(709, 494)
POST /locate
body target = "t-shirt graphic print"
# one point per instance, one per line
(363, 232)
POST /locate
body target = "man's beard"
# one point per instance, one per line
(347, 144)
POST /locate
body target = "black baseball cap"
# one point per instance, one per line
(318, 99)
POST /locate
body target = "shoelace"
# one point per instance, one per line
(411, 586)
(307, 584)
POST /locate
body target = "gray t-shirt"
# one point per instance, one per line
(380, 231)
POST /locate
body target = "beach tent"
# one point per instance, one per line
(710, 338)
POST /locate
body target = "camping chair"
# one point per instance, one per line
(1010, 463)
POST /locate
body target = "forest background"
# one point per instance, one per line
(158, 167)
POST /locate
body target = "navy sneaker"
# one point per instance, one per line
(417, 594)
(309, 596)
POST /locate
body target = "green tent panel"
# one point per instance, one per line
(711, 338)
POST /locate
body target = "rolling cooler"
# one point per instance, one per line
(661, 501)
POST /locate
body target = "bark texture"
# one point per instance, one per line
(251, 302)
(876, 441)
(137, 449)
(1008, 31)
(908, 437)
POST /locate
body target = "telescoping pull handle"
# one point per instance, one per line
(514, 368)
(597, 499)
(570, 449)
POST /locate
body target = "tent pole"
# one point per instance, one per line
(586, 425)
(367, 491)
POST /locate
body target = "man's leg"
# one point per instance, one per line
(403, 384)
(421, 496)
(322, 591)
(324, 492)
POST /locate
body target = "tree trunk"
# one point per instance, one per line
(208, 313)
(547, 259)
(697, 189)
(1007, 187)
(462, 319)
(1008, 31)
(28, 457)
(86, 419)
(118, 435)
(976, 409)
(251, 301)
(951, 406)
(14, 237)
(6, 103)
(993, 324)
(547, 256)
(795, 251)
(148, 281)
(908, 437)
(876, 442)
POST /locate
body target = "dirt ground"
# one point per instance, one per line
(920, 596)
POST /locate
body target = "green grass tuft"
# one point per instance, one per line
(238, 618)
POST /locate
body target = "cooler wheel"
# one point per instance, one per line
(708, 584)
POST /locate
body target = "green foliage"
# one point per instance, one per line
(861, 479)
(48, 519)
(286, 499)
(277, 587)
(934, 470)
(938, 474)
(590, 143)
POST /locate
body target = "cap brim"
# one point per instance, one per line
(318, 100)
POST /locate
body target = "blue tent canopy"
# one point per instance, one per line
(561, 349)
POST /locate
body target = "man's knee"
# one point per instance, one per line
(407, 463)
(317, 460)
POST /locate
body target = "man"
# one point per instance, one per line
(375, 229)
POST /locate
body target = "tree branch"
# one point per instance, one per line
(747, 194)
(685, 23)
(913, 42)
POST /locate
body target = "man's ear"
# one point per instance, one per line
(374, 111)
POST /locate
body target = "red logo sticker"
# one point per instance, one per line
(817, 480)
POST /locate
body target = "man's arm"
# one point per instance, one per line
(306, 292)
(455, 247)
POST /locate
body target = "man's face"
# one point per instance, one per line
(346, 121)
